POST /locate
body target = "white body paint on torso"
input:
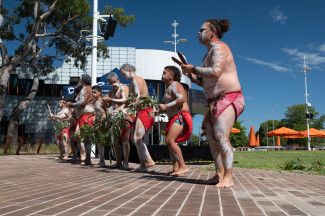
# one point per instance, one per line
(80, 110)
(219, 58)
(171, 95)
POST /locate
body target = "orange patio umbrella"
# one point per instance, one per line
(234, 130)
(323, 133)
(312, 132)
(298, 136)
(283, 131)
(278, 141)
(257, 140)
(251, 139)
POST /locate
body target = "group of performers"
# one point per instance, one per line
(90, 104)
(225, 102)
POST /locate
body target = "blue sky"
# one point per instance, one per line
(268, 40)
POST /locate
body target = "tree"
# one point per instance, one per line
(266, 127)
(53, 33)
(295, 118)
(240, 139)
(51, 25)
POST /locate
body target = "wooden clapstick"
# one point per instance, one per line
(181, 57)
(177, 61)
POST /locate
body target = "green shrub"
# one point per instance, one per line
(295, 164)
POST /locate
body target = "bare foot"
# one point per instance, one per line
(172, 173)
(181, 171)
(225, 183)
(82, 157)
(219, 175)
(149, 164)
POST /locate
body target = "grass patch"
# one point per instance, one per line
(309, 162)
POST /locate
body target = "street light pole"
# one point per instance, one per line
(175, 36)
(273, 123)
(94, 38)
(267, 130)
(305, 70)
(94, 45)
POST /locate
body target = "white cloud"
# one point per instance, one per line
(322, 47)
(278, 16)
(274, 66)
(313, 59)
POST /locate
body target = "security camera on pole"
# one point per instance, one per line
(309, 116)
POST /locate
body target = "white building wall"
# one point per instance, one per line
(150, 64)
(117, 57)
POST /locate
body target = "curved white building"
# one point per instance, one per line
(148, 62)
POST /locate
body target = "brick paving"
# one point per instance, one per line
(42, 185)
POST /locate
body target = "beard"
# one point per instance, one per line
(203, 39)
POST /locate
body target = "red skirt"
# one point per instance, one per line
(65, 131)
(187, 129)
(235, 99)
(146, 118)
(86, 119)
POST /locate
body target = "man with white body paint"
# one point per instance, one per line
(100, 116)
(84, 111)
(144, 118)
(218, 76)
(117, 99)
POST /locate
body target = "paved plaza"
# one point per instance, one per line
(42, 185)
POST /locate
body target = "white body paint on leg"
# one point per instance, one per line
(101, 154)
(137, 139)
(221, 129)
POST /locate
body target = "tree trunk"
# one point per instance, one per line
(16, 114)
(4, 77)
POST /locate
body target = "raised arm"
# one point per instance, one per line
(66, 115)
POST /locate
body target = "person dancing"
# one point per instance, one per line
(179, 126)
(144, 118)
(117, 99)
(218, 76)
(84, 110)
(64, 115)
